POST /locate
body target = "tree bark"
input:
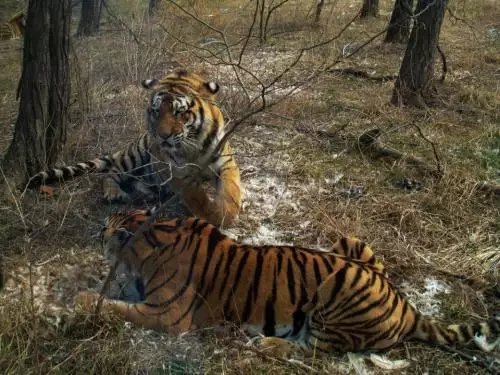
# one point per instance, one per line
(39, 131)
(90, 18)
(59, 84)
(400, 23)
(369, 9)
(414, 85)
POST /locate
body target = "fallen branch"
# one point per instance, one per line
(476, 358)
(488, 187)
(363, 74)
(369, 141)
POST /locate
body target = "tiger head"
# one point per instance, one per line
(178, 107)
(117, 231)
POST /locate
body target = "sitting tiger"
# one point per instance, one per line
(194, 277)
(184, 127)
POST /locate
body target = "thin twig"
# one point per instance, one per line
(434, 150)
(444, 64)
(121, 22)
(463, 20)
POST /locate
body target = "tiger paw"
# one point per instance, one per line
(113, 193)
(279, 347)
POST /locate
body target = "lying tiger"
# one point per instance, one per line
(194, 277)
(184, 127)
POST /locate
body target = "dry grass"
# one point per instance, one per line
(301, 183)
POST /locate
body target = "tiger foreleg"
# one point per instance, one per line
(221, 212)
(197, 201)
(112, 188)
(140, 314)
(228, 199)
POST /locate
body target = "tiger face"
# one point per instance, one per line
(117, 231)
(177, 110)
(169, 119)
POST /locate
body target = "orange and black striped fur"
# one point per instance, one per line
(194, 276)
(184, 127)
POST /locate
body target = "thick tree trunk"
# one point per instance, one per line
(369, 9)
(59, 85)
(90, 18)
(414, 85)
(400, 24)
(40, 127)
(319, 7)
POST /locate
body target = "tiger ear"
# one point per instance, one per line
(149, 83)
(213, 87)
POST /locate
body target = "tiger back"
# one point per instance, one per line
(184, 127)
(194, 277)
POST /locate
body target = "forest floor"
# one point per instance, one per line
(307, 178)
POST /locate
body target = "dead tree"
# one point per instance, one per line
(40, 129)
(90, 18)
(400, 23)
(369, 9)
(414, 85)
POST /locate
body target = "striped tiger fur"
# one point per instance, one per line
(184, 127)
(194, 276)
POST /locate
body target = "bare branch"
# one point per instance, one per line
(122, 23)
(434, 150)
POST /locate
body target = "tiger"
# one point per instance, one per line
(184, 126)
(195, 276)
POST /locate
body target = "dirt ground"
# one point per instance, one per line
(307, 179)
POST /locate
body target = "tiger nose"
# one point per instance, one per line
(166, 137)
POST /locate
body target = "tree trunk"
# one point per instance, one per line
(39, 131)
(59, 84)
(153, 7)
(399, 26)
(319, 7)
(414, 85)
(90, 18)
(369, 9)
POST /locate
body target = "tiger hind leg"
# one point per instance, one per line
(355, 309)
(356, 249)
